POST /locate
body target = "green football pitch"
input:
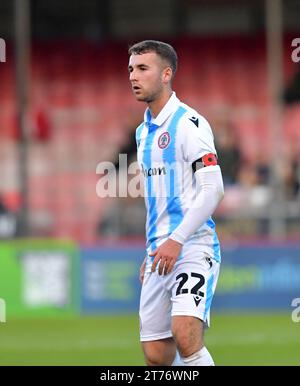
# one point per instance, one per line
(234, 339)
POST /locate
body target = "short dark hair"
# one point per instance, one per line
(164, 50)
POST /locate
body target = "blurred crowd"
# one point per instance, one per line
(8, 221)
(248, 184)
(255, 174)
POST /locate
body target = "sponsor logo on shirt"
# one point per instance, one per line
(159, 171)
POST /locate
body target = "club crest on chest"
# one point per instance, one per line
(164, 140)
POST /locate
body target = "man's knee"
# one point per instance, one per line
(154, 360)
(188, 334)
(160, 352)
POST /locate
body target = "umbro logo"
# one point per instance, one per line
(195, 121)
(208, 259)
(197, 300)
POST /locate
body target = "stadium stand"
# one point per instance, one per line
(80, 106)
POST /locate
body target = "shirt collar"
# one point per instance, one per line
(167, 110)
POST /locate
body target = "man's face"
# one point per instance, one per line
(146, 75)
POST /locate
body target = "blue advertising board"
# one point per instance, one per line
(251, 278)
(109, 279)
(258, 277)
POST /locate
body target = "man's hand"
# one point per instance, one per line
(167, 254)
(142, 270)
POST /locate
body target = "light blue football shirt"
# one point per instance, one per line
(167, 146)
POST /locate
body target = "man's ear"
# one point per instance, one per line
(167, 75)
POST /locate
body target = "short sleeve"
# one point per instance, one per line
(138, 133)
(198, 137)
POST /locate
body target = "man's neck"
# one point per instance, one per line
(157, 105)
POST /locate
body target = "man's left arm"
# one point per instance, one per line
(209, 184)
